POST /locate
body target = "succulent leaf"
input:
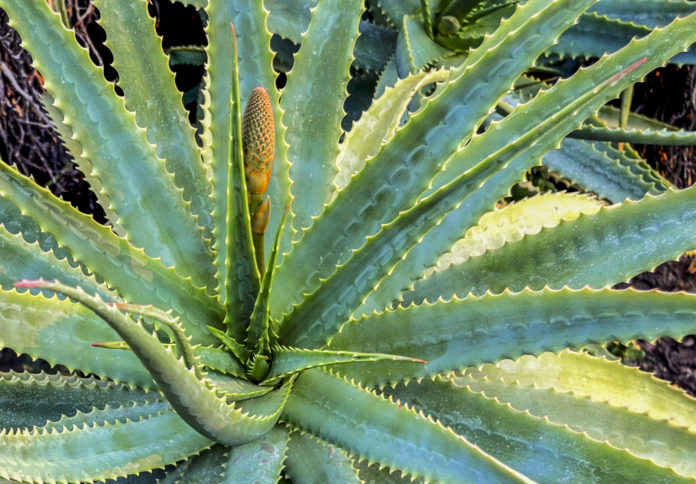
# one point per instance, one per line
(120, 152)
(595, 35)
(652, 13)
(540, 449)
(288, 361)
(634, 390)
(144, 71)
(28, 400)
(617, 241)
(258, 461)
(132, 272)
(390, 181)
(639, 136)
(604, 170)
(399, 437)
(408, 125)
(318, 110)
(195, 402)
(60, 332)
(122, 441)
(314, 461)
(451, 335)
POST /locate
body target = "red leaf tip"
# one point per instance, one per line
(28, 283)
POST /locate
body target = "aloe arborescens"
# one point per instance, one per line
(381, 337)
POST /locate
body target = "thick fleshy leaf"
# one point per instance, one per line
(612, 383)
(313, 103)
(594, 250)
(150, 92)
(595, 35)
(208, 466)
(260, 461)
(378, 124)
(384, 431)
(313, 461)
(479, 185)
(393, 179)
(195, 402)
(644, 136)
(60, 332)
(452, 335)
(28, 400)
(288, 361)
(604, 170)
(543, 451)
(652, 13)
(121, 441)
(234, 259)
(136, 276)
(129, 170)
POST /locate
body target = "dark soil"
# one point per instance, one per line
(28, 141)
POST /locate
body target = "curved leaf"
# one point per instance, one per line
(135, 275)
(540, 449)
(120, 441)
(313, 103)
(150, 92)
(451, 335)
(345, 414)
(28, 400)
(127, 165)
(313, 461)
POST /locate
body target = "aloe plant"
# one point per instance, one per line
(397, 324)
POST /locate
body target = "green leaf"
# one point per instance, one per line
(150, 92)
(193, 401)
(208, 466)
(595, 35)
(612, 383)
(78, 154)
(638, 136)
(289, 19)
(313, 103)
(255, 69)
(395, 10)
(261, 333)
(235, 389)
(604, 170)
(414, 47)
(513, 222)
(223, 140)
(119, 441)
(611, 116)
(541, 450)
(28, 261)
(259, 461)
(374, 47)
(136, 276)
(313, 461)
(378, 124)
(28, 400)
(596, 250)
(506, 150)
(288, 361)
(60, 332)
(651, 13)
(451, 335)
(391, 181)
(383, 431)
(127, 165)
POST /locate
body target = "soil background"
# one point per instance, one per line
(28, 140)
